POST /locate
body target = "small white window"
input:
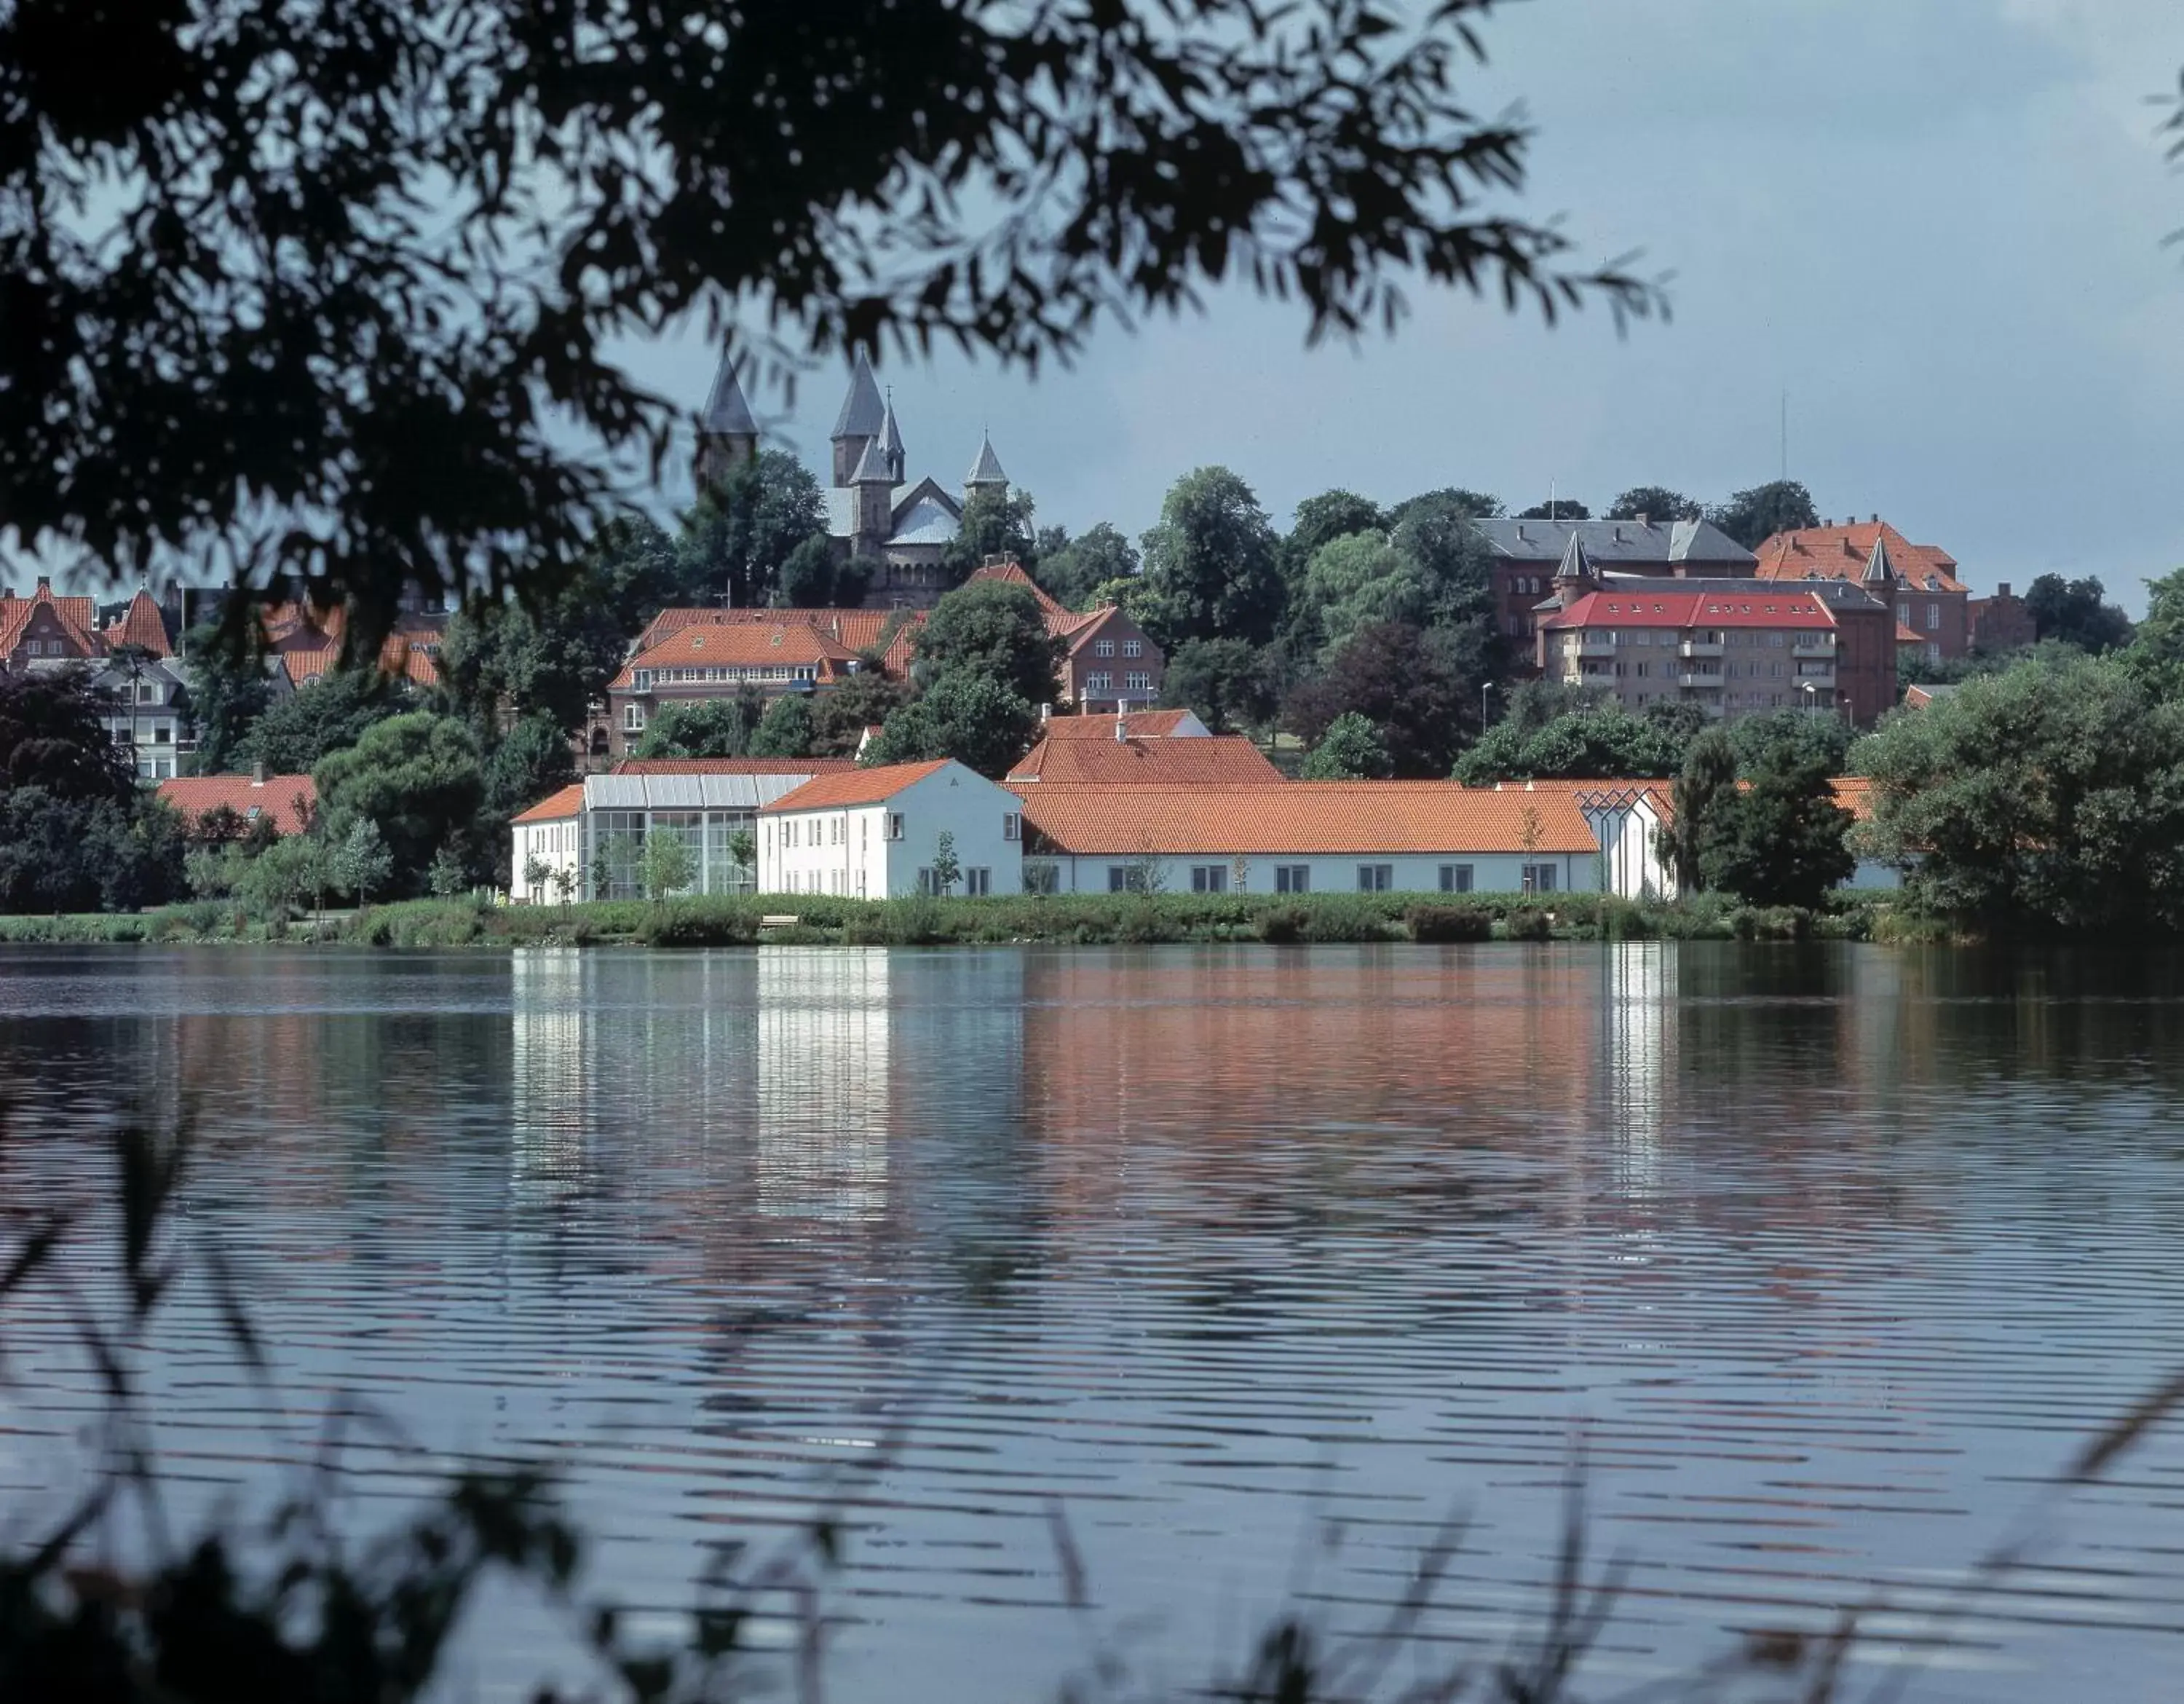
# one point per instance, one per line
(1456, 878)
(894, 825)
(1209, 878)
(1133, 647)
(977, 880)
(1138, 680)
(1102, 682)
(632, 718)
(1103, 647)
(1539, 878)
(1012, 825)
(1933, 616)
(1375, 878)
(1292, 878)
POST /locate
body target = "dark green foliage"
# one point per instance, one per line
(1319, 522)
(1708, 777)
(839, 718)
(62, 854)
(1780, 840)
(2158, 641)
(419, 778)
(1527, 923)
(522, 766)
(229, 691)
(2049, 796)
(965, 714)
(555, 654)
(741, 534)
(329, 714)
(1656, 502)
(809, 579)
(994, 631)
(2076, 612)
(1556, 509)
(703, 727)
(1820, 735)
(1073, 572)
(52, 737)
(785, 730)
(1230, 686)
(1481, 504)
(1753, 516)
(1416, 689)
(1446, 922)
(1210, 564)
(1607, 742)
(997, 521)
(1350, 750)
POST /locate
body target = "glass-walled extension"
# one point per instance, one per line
(715, 816)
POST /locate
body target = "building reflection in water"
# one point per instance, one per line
(1638, 1067)
(826, 1082)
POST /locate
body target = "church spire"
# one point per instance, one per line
(987, 469)
(863, 415)
(727, 432)
(890, 443)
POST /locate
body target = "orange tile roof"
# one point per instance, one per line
(1139, 724)
(397, 657)
(1841, 553)
(742, 645)
(1224, 759)
(78, 616)
(289, 799)
(855, 630)
(142, 626)
(856, 787)
(1012, 573)
(733, 766)
(1905, 635)
(1854, 793)
(1328, 818)
(556, 807)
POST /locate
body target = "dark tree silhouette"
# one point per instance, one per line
(334, 291)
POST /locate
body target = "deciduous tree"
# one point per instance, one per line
(1074, 572)
(1229, 686)
(785, 730)
(1407, 684)
(992, 629)
(2076, 612)
(740, 534)
(1780, 839)
(1655, 503)
(967, 715)
(52, 737)
(1209, 567)
(329, 714)
(704, 727)
(418, 776)
(1351, 749)
(1756, 515)
(997, 521)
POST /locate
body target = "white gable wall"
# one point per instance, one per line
(846, 850)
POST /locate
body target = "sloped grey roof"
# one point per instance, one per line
(1609, 542)
(726, 414)
(841, 511)
(926, 521)
(874, 468)
(987, 469)
(686, 792)
(1878, 570)
(863, 413)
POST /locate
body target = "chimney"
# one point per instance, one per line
(46, 583)
(1121, 728)
(2002, 590)
(1045, 715)
(1645, 520)
(258, 773)
(1876, 520)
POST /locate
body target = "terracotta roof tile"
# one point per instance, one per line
(733, 766)
(78, 616)
(1012, 573)
(1139, 724)
(556, 807)
(743, 644)
(857, 787)
(1841, 553)
(1308, 817)
(142, 626)
(1224, 759)
(289, 799)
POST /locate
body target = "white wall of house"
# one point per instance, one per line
(1497, 872)
(1631, 864)
(878, 851)
(561, 845)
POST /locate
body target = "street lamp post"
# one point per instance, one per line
(1485, 715)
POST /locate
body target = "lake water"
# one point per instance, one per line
(1259, 1264)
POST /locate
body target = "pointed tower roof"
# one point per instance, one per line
(891, 439)
(987, 469)
(873, 466)
(1878, 570)
(726, 414)
(863, 414)
(1576, 563)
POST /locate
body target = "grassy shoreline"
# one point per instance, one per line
(1077, 919)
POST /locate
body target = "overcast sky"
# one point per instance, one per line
(1937, 224)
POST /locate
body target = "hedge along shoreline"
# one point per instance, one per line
(1076, 920)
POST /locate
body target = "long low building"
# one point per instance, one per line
(1306, 837)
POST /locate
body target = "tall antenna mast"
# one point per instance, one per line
(1786, 434)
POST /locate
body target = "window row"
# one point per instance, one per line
(647, 678)
(1106, 647)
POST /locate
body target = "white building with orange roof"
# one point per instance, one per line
(881, 833)
(1307, 837)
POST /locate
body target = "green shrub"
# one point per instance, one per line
(1527, 923)
(1439, 923)
(1771, 923)
(1281, 925)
